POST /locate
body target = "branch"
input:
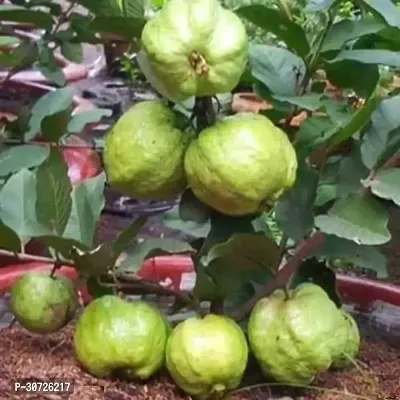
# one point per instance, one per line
(31, 257)
(285, 273)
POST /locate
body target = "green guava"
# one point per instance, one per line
(195, 48)
(144, 152)
(240, 164)
(115, 336)
(207, 356)
(42, 303)
(294, 339)
(352, 343)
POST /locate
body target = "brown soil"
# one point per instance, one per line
(26, 355)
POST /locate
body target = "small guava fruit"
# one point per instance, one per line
(116, 336)
(240, 164)
(144, 152)
(207, 356)
(42, 303)
(351, 344)
(294, 339)
(195, 48)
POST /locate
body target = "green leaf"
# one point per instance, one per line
(9, 41)
(386, 185)
(351, 172)
(346, 30)
(54, 126)
(9, 240)
(309, 101)
(13, 159)
(382, 133)
(103, 7)
(368, 257)
(387, 9)
(24, 55)
(125, 237)
(87, 204)
(49, 67)
(357, 122)
(17, 205)
(14, 13)
(78, 121)
(49, 104)
(53, 188)
(133, 8)
(326, 193)
(275, 22)
(127, 27)
(318, 5)
(367, 56)
(72, 51)
(245, 250)
(294, 211)
(346, 75)
(150, 248)
(278, 69)
(317, 272)
(358, 218)
(60, 245)
(192, 209)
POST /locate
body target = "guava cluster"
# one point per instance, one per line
(237, 166)
(292, 337)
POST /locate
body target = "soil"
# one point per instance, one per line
(32, 356)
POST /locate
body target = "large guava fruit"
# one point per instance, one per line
(352, 343)
(240, 164)
(207, 356)
(294, 339)
(144, 152)
(42, 303)
(115, 336)
(195, 48)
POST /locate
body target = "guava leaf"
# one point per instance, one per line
(205, 289)
(53, 192)
(54, 126)
(370, 56)
(126, 236)
(294, 211)
(317, 272)
(245, 250)
(368, 257)
(80, 120)
(275, 22)
(318, 5)
(49, 104)
(49, 66)
(358, 218)
(351, 172)
(281, 71)
(133, 8)
(87, 204)
(172, 220)
(386, 185)
(346, 30)
(9, 240)
(150, 248)
(9, 41)
(387, 9)
(345, 74)
(13, 159)
(326, 193)
(62, 246)
(16, 13)
(102, 7)
(192, 209)
(357, 122)
(72, 51)
(17, 205)
(128, 27)
(382, 133)
(310, 101)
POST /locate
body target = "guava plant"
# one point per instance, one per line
(268, 199)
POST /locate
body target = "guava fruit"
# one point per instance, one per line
(352, 342)
(42, 303)
(144, 152)
(294, 339)
(240, 164)
(207, 356)
(195, 48)
(115, 336)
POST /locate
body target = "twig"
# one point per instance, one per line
(284, 274)
(20, 142)
(64, 16)
(30, 257)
